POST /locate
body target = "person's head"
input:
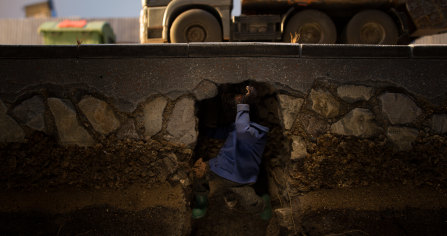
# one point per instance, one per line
(229, 104)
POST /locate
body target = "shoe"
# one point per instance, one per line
(267, 213)
(200, 208)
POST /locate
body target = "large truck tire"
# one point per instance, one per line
(313, 26)
(195, 26)
(371, 27)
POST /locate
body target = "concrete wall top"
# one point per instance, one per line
(201, 50)
(132, 73)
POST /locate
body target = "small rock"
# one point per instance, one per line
(69, 131)
(353, 93)
(299, 150)
(204, 90)
(402, 137)
(182, 123)
(324, 103)
(358, 122)
(174, 94)
(127, 130)
(313, 126)
(170, 163)
(284, 217)
(153, 116)
(100, 114)
(31, 112)
(161, 178)
(10, 130)
(398, 108)
(439, 123)
(289, 109)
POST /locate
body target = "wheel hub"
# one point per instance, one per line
(310, 33)
(195, 33)
(372, 33)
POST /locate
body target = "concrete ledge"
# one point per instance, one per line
(38, 51)
(94, 51)
(244, 50)
(354, 51)
(133, 50)
(209, 50)
(429, 51)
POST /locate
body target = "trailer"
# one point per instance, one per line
(315, 21)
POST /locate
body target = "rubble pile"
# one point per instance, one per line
(344, 161)
(41, 162)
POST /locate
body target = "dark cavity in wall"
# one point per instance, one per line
(211, 113)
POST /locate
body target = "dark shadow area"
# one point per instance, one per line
(92, 220)
(409, 222)
(220, 219)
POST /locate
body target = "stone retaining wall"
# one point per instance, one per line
(112, 116)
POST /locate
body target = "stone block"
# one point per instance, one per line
(398, 108)
(284, 217)
(289, 108)
(243, 49)
(153, 116)
(100, 114)
(429, 51)
(358, 122)
(324, 103)
(127, 130)
(174, 94)
(299, 150)
(136, 50)
(353, 93)
(10, 130)
(402, 137)
(68, 129)
(32, 113)
(170, 163)
(182, 123)
(439, 123)
(354, 51)
(314, 126)
(205, 90)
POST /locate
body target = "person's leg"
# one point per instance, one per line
(246, 195)
(201, 190)
(201, 186)
(253, 203)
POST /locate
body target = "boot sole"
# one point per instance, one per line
(200, 216)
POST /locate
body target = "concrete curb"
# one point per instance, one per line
(429, 51)
(209, 50)
(244, 50)
(354, 51)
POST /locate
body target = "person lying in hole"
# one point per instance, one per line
(237, 164)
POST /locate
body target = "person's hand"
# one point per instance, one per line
(251, 95)
(199, 168)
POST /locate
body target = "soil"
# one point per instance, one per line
(73, 211)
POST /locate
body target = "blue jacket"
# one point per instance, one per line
(239, 158)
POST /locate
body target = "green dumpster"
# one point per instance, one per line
(95, 32)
